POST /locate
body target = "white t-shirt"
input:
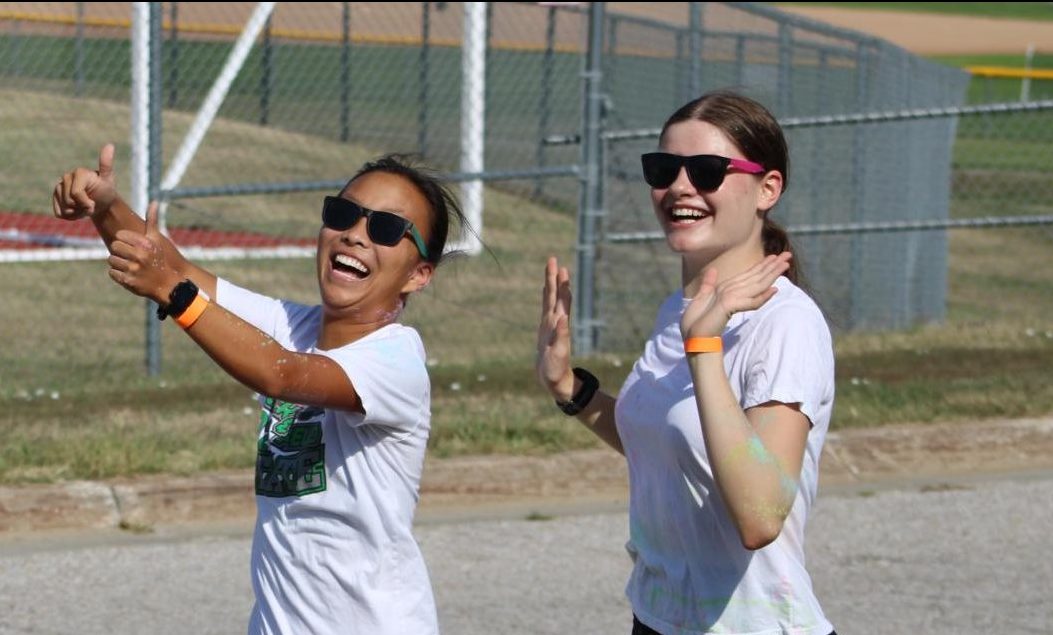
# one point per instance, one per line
(336, 491)
(691, 573)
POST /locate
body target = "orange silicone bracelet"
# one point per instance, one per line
(703, 345)
(193, 312)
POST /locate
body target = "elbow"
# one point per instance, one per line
(753, 542)
(271, 385)
(759, 535)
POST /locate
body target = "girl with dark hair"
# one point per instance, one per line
(723, 417)
(343, 386)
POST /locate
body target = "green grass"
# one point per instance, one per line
(75, 403)
(1009, 10)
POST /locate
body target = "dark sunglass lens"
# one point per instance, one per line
(660, 169)
(706, 171)
(386, 228)
(340, 214)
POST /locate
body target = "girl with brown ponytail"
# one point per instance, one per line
(723, 417)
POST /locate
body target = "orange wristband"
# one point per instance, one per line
(193, 312)
(703, 345)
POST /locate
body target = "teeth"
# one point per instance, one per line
(354, 263)
(687, 212)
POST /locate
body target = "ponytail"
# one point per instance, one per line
(776, 241)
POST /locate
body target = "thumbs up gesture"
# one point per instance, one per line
(138, 263)
(83, 191)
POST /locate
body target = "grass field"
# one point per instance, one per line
(75, 402)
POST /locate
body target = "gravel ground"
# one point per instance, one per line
(967, 557)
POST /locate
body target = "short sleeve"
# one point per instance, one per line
(791, 361)
(389, 374)
(256, 309)
(294, 326)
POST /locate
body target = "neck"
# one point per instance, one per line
(728, 263)
(339, 330)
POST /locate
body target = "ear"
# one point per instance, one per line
(770, 190)
(419, 277)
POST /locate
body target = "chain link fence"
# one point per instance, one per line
(326, 86)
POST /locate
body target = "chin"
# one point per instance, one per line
(681, 243)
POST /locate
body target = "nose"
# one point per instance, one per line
(682, 183)
(357, 233)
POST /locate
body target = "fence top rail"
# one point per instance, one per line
(865, 228)
(836, 120)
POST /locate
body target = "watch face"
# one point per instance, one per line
(181, 297)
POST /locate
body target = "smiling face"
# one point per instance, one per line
(361, 281)
(725, 223)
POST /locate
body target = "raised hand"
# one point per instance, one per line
(714, 304)
(83, 192)
(138, 263)
(553, 333)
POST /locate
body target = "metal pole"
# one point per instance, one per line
(78, 53)
(173, 54)
(1025, 83)
(153, 325)
(694, 80)
(473, 119)
(544, 109)
(591, 188)
(345, 73)
(740, 59)
(858, 244)
(422, 80)
(265, 75)
(785, 68)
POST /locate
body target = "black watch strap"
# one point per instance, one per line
(179, 299)
(577, 403)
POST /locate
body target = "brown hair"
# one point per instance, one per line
(755, 131)
(444, 205)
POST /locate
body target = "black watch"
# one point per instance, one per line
(178, 300)
(577, 403)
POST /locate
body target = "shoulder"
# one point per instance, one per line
(790, 324)
(791, 311)
(670, 310)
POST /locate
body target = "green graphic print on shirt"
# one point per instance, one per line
(290, 454)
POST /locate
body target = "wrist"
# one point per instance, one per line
(564, 388)
(163, 294)
(585, 389)
(701, 345)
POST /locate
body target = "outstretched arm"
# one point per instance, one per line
(139, 262)
(93, 193)
(553, 357)
(756, 454)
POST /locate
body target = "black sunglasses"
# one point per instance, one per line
(384, 228)
(705, 171)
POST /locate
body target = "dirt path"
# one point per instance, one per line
(932, 34)
(905, 456)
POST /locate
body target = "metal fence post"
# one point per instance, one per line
(694, 81)
(740, 59)
(153, 325)
(173, 55)
(265, 75)
(345, 72)
(544, 108)
(78, 53)
(584, 319)
(857, 250)
(785, 68)
(422, 80)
